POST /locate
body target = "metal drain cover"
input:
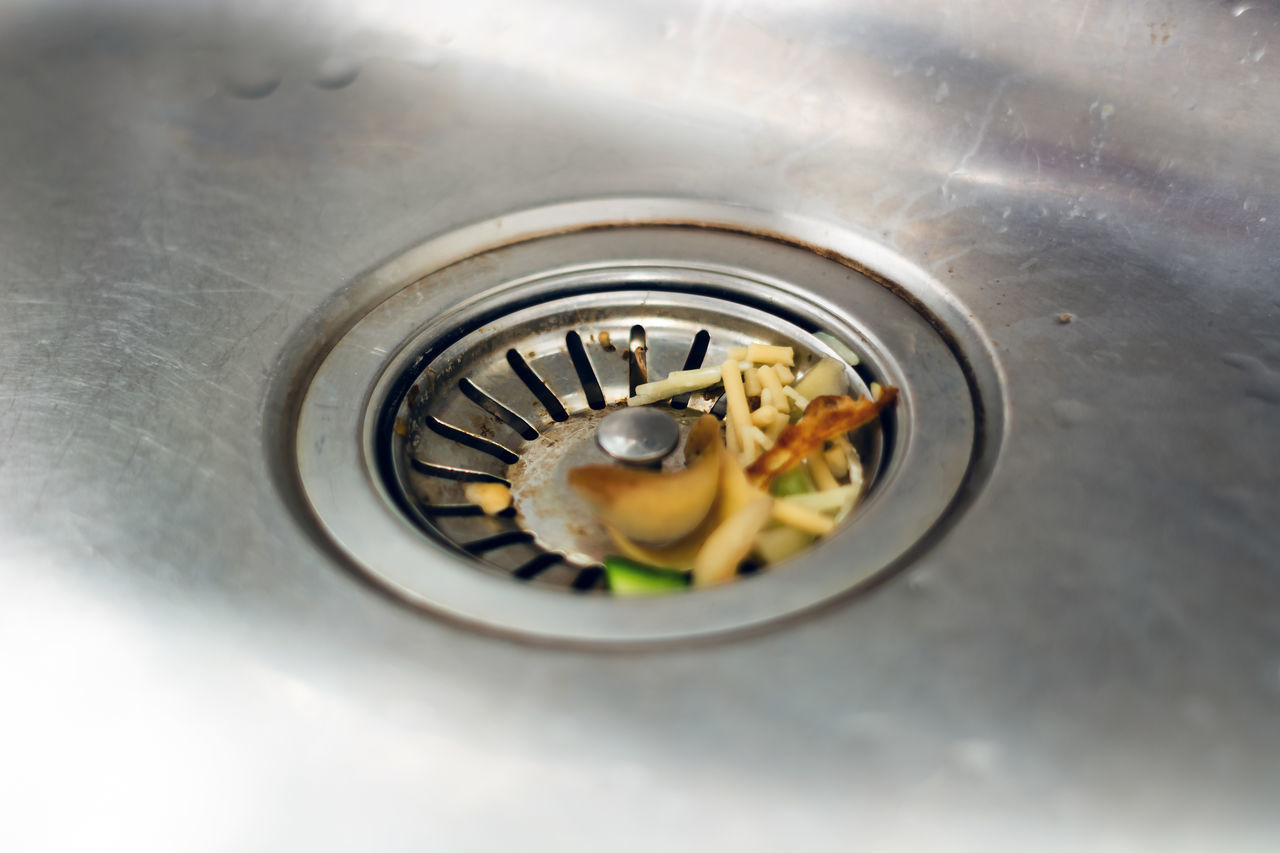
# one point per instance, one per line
(498, 369)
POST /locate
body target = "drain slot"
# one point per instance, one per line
(588, 579)
(461, 475)
(534, 383)
(459, 511)
(477, 395)
(467, 439)
(586, 373)
(637, 359)
(499, 540)
(692, 361)
(536, 566)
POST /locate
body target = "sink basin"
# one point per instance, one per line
(198, 203)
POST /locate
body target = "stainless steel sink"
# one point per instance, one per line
(198, 203)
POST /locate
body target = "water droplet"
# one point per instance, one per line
(1261, 382)
(921, 580)
(980, 757)
(336, 72)
(251, 79)
(1197, 709)
(1072, 412)
(941, 94)
(1240, 9)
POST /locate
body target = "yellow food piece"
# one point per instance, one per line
(832, 500)
(824, 378)
(728, 544)
(785, 376)
(801, 401)
(802, 518)
(855, 483)
(736, 490)
(736, 405)
(764, 416)
(766, 354)
(732, 438)
(656, 507)
(779, 543)
(837, 460)
(492, 498)
(822, 476)
(760, 438)
(678, 555)
(769, 379)
(751, 382)
(679, 382)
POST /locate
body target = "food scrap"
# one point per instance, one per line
(492, 498)
(782, 474)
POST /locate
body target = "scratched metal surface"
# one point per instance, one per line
(1089, 660)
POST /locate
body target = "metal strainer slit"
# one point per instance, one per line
(697, 352)
(537, 385)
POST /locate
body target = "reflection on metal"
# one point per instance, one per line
(191, 197)
(638, 436)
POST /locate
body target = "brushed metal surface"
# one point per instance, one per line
(1089, 660)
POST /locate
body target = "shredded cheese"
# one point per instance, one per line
(802, 518)
(821, 472)
(764, 416)
(794, 396)
(737, 407)
(766, 354)
(769, 379)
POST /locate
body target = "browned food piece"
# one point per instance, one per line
(824, 418)
(734, 494)
(656, 507)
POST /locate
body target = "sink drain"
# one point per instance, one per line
(515, 400)
(497, 368)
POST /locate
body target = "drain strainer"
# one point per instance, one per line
(497, 368)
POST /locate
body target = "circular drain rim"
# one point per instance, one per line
(332, 421)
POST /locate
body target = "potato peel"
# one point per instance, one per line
(656, 507)
(825, 417)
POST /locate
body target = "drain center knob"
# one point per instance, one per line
(639, 436)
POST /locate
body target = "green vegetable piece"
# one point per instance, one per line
(793, 482)
(628, 577)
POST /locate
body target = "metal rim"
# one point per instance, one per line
(336, 435)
